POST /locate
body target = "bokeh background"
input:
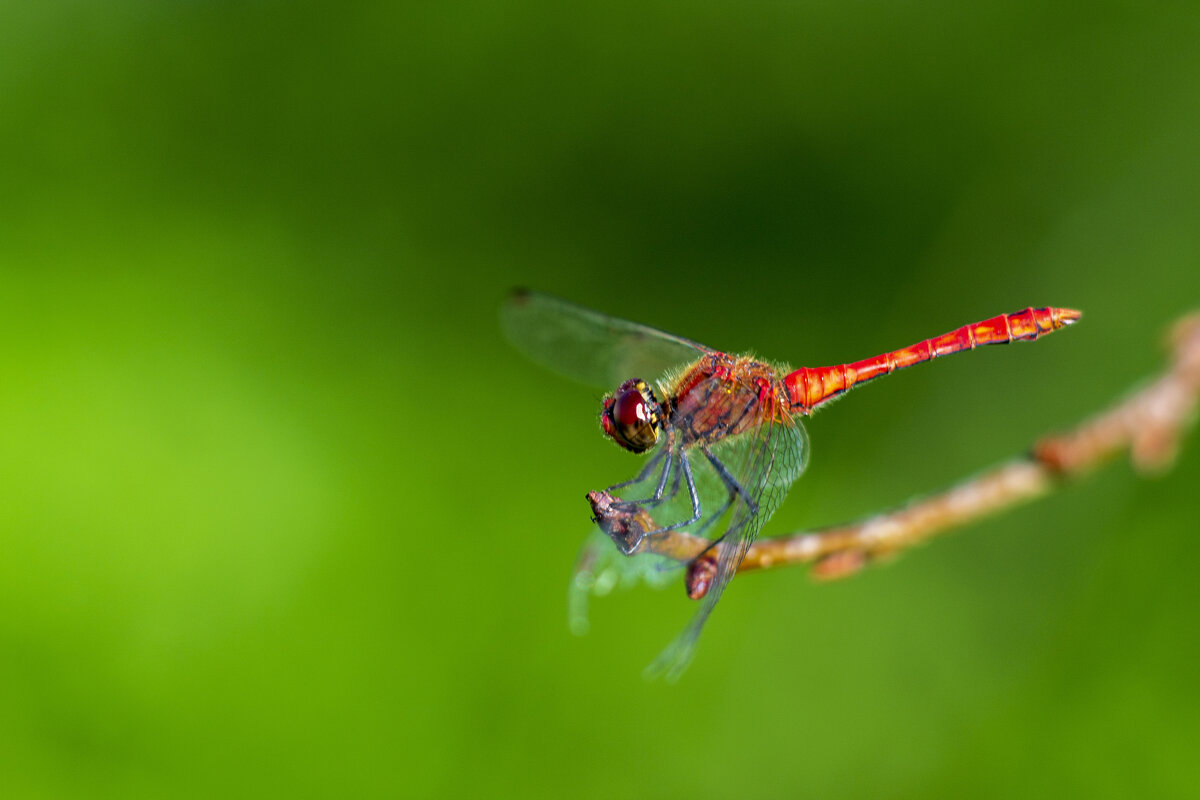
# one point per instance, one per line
(282, 514)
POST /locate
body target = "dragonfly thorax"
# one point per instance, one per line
(632, 416)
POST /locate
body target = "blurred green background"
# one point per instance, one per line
(282, 514)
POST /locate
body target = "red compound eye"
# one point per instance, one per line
(630, 409)
(631, 418)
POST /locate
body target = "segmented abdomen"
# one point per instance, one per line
(809, 387)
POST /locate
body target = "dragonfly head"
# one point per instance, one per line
(632, 416)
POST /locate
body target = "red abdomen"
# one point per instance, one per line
(809, 387)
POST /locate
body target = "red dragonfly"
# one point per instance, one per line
(726, 427)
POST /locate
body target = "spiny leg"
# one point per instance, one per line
(703, 529)
(734, 487)
(735, 490)
(626, 521)
(720, 512)
(658, 496)
(650, 466)
(668, 497)
(730, 481)
(712, 518)
(686, 467)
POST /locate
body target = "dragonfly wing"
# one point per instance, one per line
(765, 462)
(601, 568)
(590, 346)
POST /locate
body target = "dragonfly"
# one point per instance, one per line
(721, 433)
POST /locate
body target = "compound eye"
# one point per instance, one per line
(630, 410)
(632, 417)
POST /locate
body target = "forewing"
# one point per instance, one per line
(765, 461)
(589, 346)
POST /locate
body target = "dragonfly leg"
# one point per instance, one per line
(735, 490)
(686, 467)
(730, 481)
(712, 518)
(651, 465)
(628, 528)
(658, 496)
(703, 529)
(668, 497)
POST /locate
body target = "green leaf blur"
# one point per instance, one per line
(282, 514)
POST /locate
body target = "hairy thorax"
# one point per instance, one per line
(722, 395)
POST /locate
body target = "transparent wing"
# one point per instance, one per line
(764, 462)
(589, 346)
(602, 568)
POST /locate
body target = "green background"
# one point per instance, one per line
(282, 514)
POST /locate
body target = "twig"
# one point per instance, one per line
(1149, 423)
